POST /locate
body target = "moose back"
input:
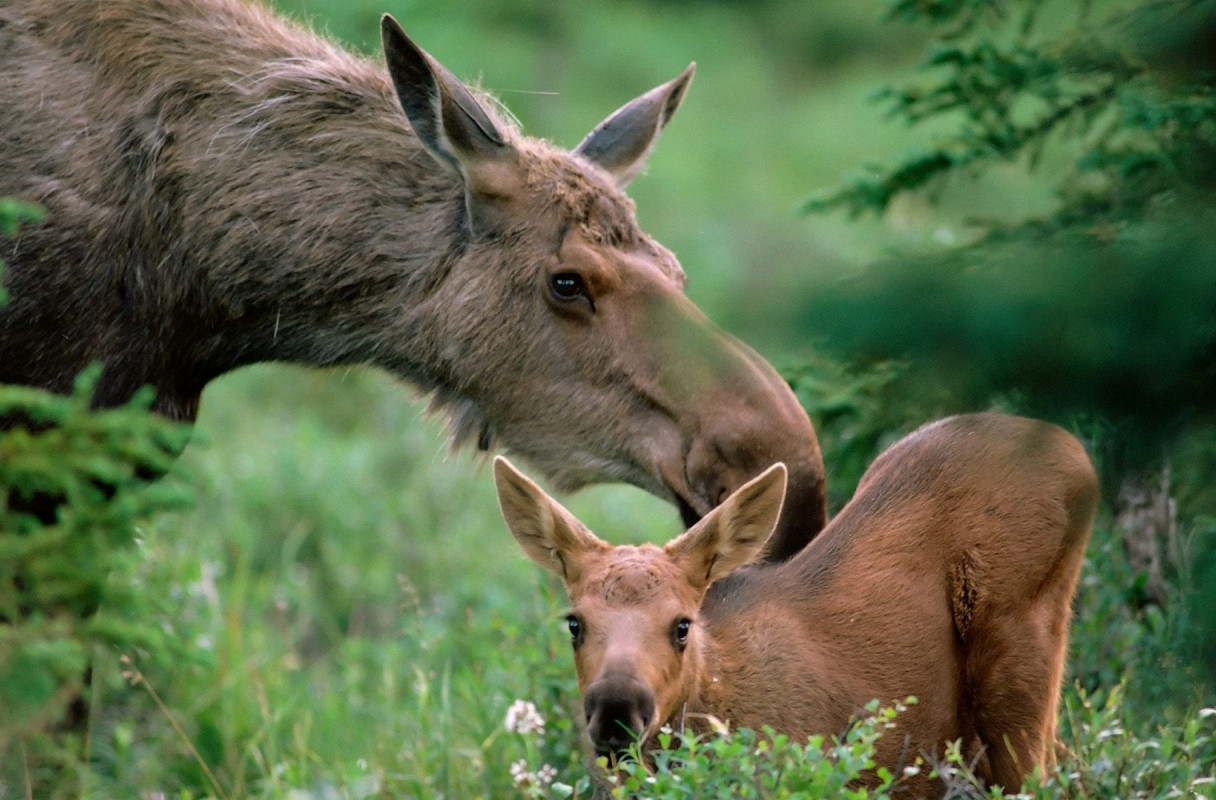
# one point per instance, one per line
(223, 188)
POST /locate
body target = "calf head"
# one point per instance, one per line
(633, 618)
(563, 331)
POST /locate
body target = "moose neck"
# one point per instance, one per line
(288, 214)
(749, 624)
(709, 678)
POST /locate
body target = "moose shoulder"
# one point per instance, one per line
(224, 188)
(949, 577)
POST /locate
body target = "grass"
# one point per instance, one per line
(357, 623)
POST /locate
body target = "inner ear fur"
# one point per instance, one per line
(549, 534)
(734, 533)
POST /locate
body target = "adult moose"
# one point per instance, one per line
(949, 576)
(224, 188)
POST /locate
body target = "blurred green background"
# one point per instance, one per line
(353, 617)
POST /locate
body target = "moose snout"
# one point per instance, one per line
(618, 712)
(747, 438)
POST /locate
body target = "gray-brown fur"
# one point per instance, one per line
(224, 188)
(948, 577)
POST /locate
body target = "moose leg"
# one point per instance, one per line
(1015, 665)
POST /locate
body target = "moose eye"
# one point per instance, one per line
(576, 628)
(569, 286)
(680, 631)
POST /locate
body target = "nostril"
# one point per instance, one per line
(617, 713)
(646, 710)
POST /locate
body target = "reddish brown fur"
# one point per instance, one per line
(225, 188)
(948, 577)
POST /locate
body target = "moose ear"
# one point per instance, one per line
(735, 532)
(621, 143)
(449, 120)
(548, 533)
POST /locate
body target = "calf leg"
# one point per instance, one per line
(1014, 669)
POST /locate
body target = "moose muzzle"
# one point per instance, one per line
(619, 709)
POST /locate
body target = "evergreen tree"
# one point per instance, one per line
(1099, 312)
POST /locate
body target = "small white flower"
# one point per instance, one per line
(522, 717)
(546, 774)
(520, 774)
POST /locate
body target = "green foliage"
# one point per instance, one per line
(1069, 325)
(1106, 304)
(858, 412)
(12, 214)
(1137, 109)
(1102, 758)
(765, 764)
(1106, 758)
(15, 212)
(73, 486)
(1122, 639)
(284, 696)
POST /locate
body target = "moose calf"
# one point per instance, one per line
(949, 577)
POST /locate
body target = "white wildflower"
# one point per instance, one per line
(520, 774)
(522, 717)
(546, 774)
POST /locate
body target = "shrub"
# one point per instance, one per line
(765, 764)
(74, 482)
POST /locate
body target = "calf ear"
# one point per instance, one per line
(734, 533)
(548, 533)
(449, 120)
(621, 143)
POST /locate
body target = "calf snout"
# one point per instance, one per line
(618, 712)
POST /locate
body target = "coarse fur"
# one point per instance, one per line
(223, 187)
(948, 577)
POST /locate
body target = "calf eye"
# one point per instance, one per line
(576, 629)
(680, 631)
